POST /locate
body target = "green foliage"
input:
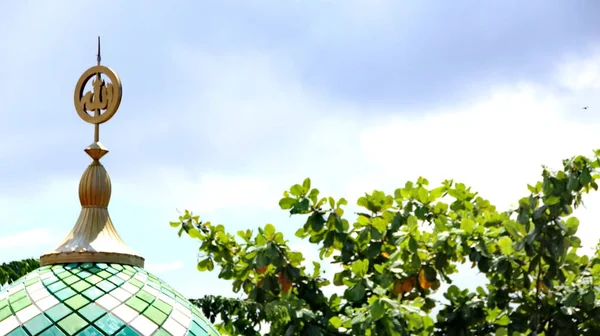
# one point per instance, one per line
(242, 316)
(399, 249)
(14, 270)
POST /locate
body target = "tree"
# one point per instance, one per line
(397, 251)
(14, 270)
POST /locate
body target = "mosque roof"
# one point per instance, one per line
(92, 283)
(97, 299)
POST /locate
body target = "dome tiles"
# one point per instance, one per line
(97, 299)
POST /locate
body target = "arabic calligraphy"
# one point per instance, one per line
(99, 98)
(100, 104)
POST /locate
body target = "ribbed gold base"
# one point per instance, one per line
(94, 257)
(94, 237)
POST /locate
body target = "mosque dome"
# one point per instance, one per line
(97, 299)
(92, 283)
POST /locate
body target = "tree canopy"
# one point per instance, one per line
(14, 270)
(396, 252)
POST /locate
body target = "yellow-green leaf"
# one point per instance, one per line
(336, 322)
(505, 244)
(467, 224)
(194, 233)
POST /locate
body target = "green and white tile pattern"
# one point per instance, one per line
(97, 299)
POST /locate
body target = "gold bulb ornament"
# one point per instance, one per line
(94, 237)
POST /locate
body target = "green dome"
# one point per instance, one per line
(97, 299)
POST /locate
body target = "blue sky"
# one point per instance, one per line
(227, 105)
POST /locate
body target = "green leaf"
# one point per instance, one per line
(511, 228)
(589, 298)
(551, 200)
(194, 233)
(374, 250)
(532, 189)
(467, 224)
(334, 221)
(316, 269)
(413, 309)
(435, 194)
(317, 222)
(377, 310)
(422, 194)
(260, 240)
(175, 224)
(355, 293)
(362, 220)
(360, 268)
(261, 259)
(278, 238)
(501, 332)
(295, 257)
(287, 203)
(484, 265)
(412, 223)
(300, 207)
(205, 264)
(381, 268)
(336, 322)
(379, 224)
(572, 225)
(297, 190)
(503, 321)
(269, 230)
(301, 233)
(413, 246)
(314, 196)
(306, 185)
(573, 183)
(505, 244)
(585, 177)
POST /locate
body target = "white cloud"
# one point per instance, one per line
(173, 187)
(580, 74)
(495, 143)
(36, 216)
(25, 239)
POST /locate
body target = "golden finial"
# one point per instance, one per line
(103, 102)
(94, 238)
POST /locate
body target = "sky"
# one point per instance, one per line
(227, 105)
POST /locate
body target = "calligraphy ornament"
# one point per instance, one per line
(100, 104)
